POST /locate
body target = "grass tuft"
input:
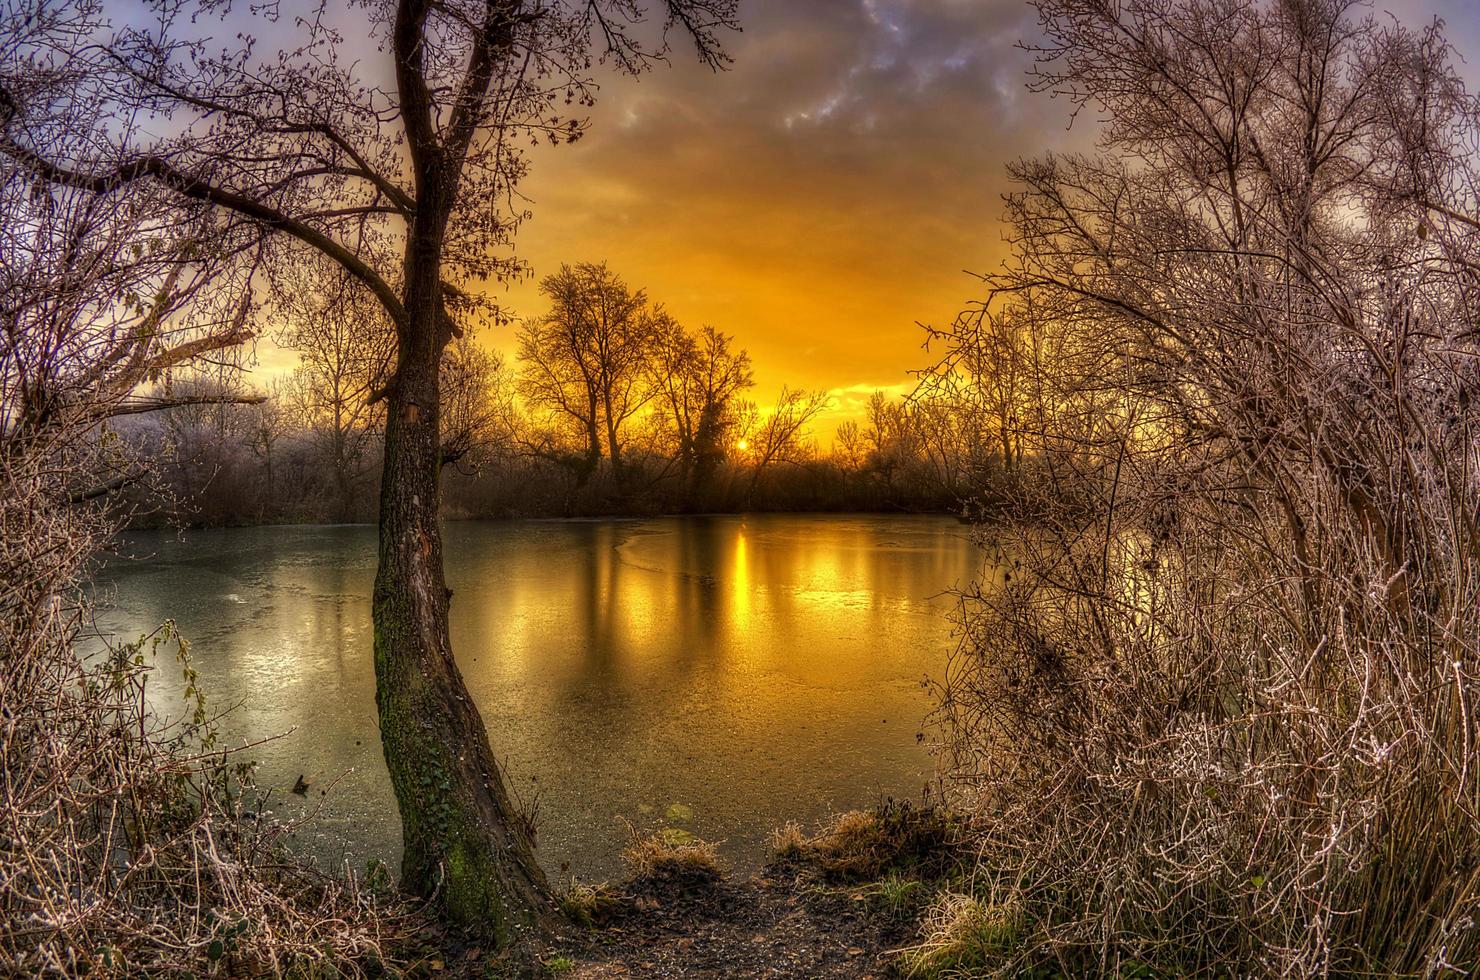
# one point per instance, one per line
(864, 844)
(588, 905)
(674, 856)
(789, 842)
(896, 897)
(963, 936)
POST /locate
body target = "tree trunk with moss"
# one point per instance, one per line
(465, 843)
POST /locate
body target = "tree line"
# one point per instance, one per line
(610, 406)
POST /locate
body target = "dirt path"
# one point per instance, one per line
(777, 925)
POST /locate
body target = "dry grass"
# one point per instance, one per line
(788, 842)
(863, 844)
(962, 937)
(587, 904)
(673, 855)
(126, 847)
(852, 845)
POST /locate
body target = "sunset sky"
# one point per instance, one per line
(816, 200)
(830, 191)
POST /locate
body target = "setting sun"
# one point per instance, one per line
(742, 445)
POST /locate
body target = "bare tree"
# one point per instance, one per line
(780, 436)
(890, 436)
(479, 417)
(268, 423)
(994, 365)
(297, 150)
(587, 359)
(1016, 382)
(698, 380)
(850, 451)
(344, 345)
(949, 441)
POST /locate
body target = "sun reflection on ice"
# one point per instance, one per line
(741, 584)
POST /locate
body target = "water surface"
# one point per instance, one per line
(719, 674)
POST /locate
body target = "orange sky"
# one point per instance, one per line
(818, 199)
(826, 193)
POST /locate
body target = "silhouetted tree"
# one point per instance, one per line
(478, 417)
(586, 360)
(344, 344)
(780, 436)
(698, 379)
(849, 451)
(890, 438)
(267, 425)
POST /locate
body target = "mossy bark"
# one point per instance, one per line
(465, 843)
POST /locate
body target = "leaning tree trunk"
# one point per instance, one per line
(464, 841)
